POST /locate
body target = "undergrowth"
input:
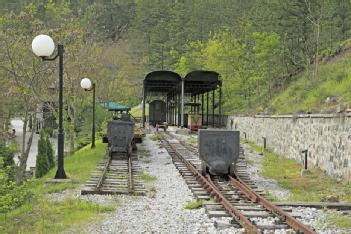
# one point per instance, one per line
(41, 214)
(194, 204)
(147, 177)
(310, 94)
(336, 219)
(313, 187)
(153, 137)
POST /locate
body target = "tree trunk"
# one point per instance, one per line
(23, 160)
(317, 51)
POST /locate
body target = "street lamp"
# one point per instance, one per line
(43, 46)
(86, 84)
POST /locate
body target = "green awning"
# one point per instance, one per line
(114, 106)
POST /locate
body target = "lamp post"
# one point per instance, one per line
(86, 84)
(43, 46)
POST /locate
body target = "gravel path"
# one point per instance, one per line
(162, 210)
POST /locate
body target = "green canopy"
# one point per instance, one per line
(114, 106)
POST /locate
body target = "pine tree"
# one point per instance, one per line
(50, 153)
(42, 164)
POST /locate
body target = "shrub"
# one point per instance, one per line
(50, 153)
(11, 195)
(42, 162)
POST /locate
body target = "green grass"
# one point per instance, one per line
(194, 204)
(147, 177)
(309, 94)
(52, 217)
(192, 140)
(314, 187)
(137, 111)
(42, 215)
(153, 137)
(338, 220)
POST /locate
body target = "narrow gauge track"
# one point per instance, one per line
(118, 174)
(240, 201)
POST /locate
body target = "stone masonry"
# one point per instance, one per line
(327, 137)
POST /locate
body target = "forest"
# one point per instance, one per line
(259, 47)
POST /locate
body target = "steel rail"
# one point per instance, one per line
(102, 178)
(210, 187)
(255, 197)
(130, 179)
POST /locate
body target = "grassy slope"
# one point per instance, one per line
(314, 187)
(43, 215)
(308, 94)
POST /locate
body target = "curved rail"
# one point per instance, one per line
(215, 192)
(257, 198)
(130, 179)
(104, 172)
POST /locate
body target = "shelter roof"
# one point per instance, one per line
(114, 106)
(162, 81)
(197, 82)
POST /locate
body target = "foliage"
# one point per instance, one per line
(336, 219)
(37, 211)
(54, 216)
(42, 165)
(49, 152)
(146, 177)
(305, 95)
(153, 137)
(194, 204)
(11, 194)
(313, 187)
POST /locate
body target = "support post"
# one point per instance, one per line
(202, 109)
(144, 100)
(220, 105)
(264, 143)
(93, 128)
(207, 108)
(182, 108)
(60, 173)
(305, 160)
(213, 108)
(167, 109)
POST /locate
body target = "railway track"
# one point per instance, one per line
(118, 174)
(235, 197)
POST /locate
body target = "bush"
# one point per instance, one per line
(11, 195)
(42, 165)
(50, 153)
(7, 154)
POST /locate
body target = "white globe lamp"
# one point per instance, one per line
(85, 83)
(43, 46)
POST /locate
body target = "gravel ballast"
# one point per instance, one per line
(163, 209)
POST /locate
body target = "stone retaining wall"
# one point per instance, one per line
(326, 136)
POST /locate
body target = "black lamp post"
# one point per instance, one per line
(86, 84)
(43, 46)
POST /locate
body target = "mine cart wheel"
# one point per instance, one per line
(231, 170)
(203, 168)
(134, 146)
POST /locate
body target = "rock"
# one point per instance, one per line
(332, 198)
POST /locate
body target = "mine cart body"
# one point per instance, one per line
(219, 150)
(157, 112)
(120, 135)
(194, 122)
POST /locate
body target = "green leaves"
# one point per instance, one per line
(45, 156)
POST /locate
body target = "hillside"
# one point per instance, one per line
(328, 92)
